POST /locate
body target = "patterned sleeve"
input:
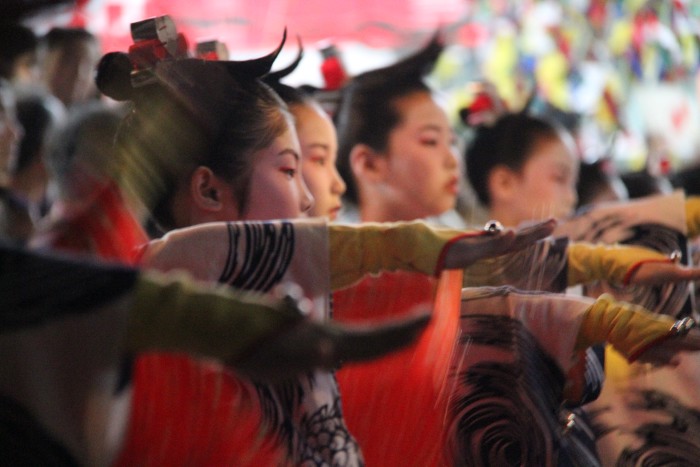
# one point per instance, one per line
(33, 287)
(371, 248)
(170, 313)
(589, 262)
(244, 255)
(630, 329)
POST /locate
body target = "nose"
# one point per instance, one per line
(306, 200)
(338, 185)
(451, 158)
(571, 198)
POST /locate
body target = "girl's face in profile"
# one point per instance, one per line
(423, 171)
(319, 148)
(277, 189)
(546, 185)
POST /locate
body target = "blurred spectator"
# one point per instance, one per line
(68, 70)
(38, 114)
(15, 224)
(19, 55)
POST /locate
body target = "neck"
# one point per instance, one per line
(381, 212)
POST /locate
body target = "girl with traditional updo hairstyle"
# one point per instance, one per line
(183, 139)
(523, 168)
(396, 145)
(319, 144)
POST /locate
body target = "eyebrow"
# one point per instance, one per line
(319, 145)
(288, 151)
(431, 126)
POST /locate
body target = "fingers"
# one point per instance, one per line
(469, 250)
(365, 343)
(666, 352)
(529, 234)
(654, 273)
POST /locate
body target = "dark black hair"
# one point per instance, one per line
(687, 179)
(192, 112)
(38, 118)
(593, 178)
(641, 183)
(15, 40)
(86, 136)
(289, 94)
(508, 142)
(60, 37)
(367, 112)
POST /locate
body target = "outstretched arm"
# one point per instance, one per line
(624, 265)
(258, 336)
(370, 248)
(635, 332)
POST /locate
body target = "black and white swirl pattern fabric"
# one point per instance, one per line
(673, 441)
(656, 222)
(510, 376)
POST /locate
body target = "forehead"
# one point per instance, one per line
(553, 152)
(286, 140)
(309, 113)
(419, 108)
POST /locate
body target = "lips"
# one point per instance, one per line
(333, 213)
(453, 185)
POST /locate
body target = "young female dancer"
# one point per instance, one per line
(318, 142)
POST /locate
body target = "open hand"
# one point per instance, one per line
(494, 242)
(659, 272)
(666, 351)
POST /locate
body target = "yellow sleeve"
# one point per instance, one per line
(174, 314)
(370, 248)
(630, 329)
(692, 215)
(589, 262)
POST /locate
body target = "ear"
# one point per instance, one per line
(501, 184)
(206, 190)
(367, 164)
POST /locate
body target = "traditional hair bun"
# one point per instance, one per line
(113, 77)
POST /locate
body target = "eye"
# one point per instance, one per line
(560, 177)
(319, 160)
(290, 172)
(432, 142)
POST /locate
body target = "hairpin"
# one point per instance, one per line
(486, 107)
(211, 50)
(155, 39)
